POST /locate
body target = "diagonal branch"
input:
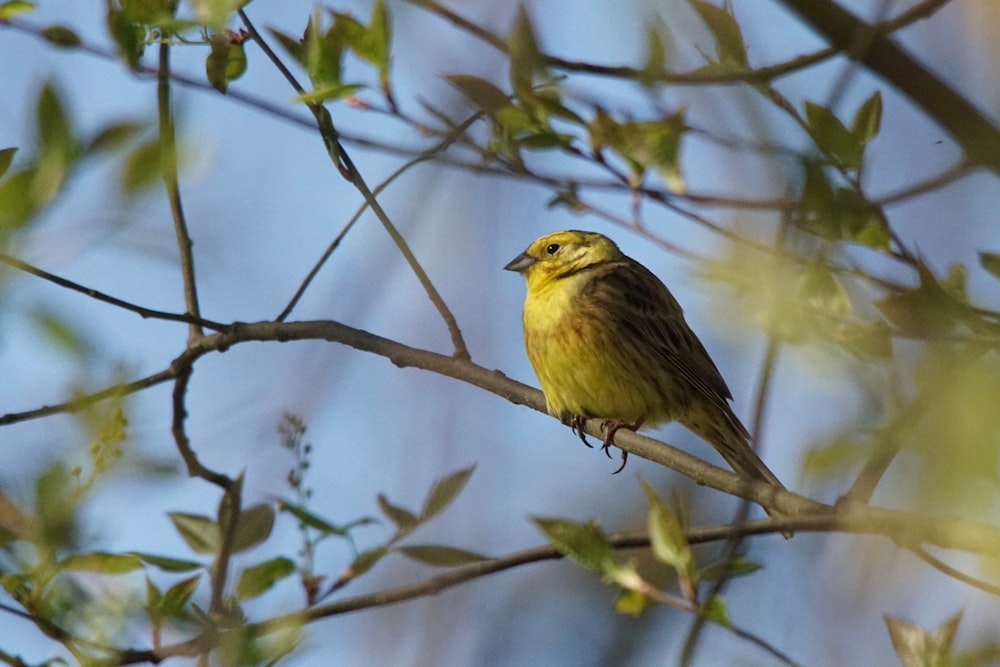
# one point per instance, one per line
(977, 136)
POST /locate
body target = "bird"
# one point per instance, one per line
(608, 340)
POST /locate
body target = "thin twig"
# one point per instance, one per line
(142, 311)
(422, 157)
(77, 404)
(168, 159)
(938, 564)
(349, 170)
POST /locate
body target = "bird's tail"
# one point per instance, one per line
(723, 430)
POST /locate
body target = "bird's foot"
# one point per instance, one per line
(612, 426)
(578, 424)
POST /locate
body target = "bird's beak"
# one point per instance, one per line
(521, 263)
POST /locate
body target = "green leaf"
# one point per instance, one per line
(444, 491)
(525, 56)
(867, 119)
(114, 136)
(166, 563)
(55, 135)
(366, 560)
(253, 527)
(403, 518)
(200, 532)
(320, 524)
(148, 12)
(820, 289)
(9, 10)
(215, 13)
(440, 556)
(128, 36)
(260, 578)
(334, 92)
(154, 596)
(226, 61)
(729, 46)
(925, 311)
(143, 166)
(484, 94)
(290, 44)
(832, 137)
(631, 602)
(59, 332)
(869, 339)
(55, 502)
(583, 542)
(990, 261)
(715, 610)
(954, 281)
(61, 36)
(654, 66)
(178, 595)
(102, 562)
(666, 535)
(17, 201)
(729, 568)
(6, 158)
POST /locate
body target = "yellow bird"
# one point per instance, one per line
(607, 339)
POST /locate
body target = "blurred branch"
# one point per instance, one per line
(977, 136)
(940, 565)
(168, 160)
(758, 75)
(342, 160)
(142, 311)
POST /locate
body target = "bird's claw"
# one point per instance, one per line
(577, 424)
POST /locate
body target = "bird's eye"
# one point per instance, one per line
(552, 248)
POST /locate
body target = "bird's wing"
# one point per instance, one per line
(651, 314)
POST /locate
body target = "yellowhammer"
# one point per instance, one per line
(607, 339)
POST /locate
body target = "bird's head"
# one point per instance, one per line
(561, 254)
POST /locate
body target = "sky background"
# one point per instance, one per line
(263, 201)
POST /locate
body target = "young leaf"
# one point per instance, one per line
(990, 261)
(715, 610)
(867, 119)
(6, 157)
(440, 556)
(484, 94)
(143, 166)
(666, 535)
(260, 578)
(916, 647)
(128, 36)
(631, 602)
(832, 137)
(165, 563)
(737, 566)
(403, 518)
(313, 521)
(583, 542)
(60, 35)
(365, 561)
(55, 136)
(253, 527)
(113, 136)
(200, 532)
(444, 491)
(227, 61)
(173, 601)
(9, 10)
(525, 57)
(104, 563)
(729, 46)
